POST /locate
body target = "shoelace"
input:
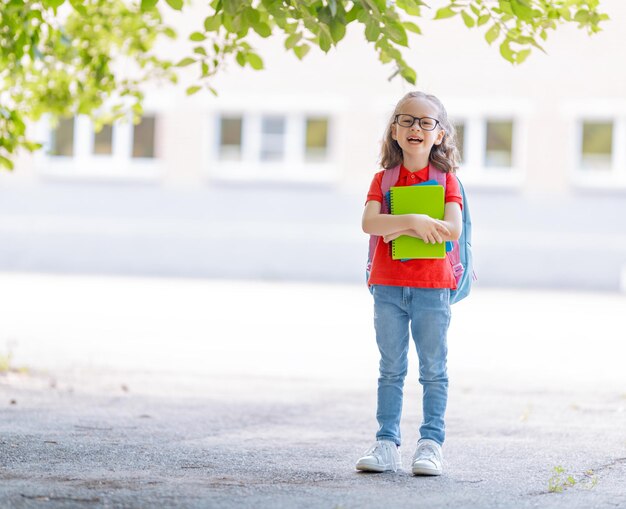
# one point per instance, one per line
(427, 452)
(377, 448)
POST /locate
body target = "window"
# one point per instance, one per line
(230, 138)
(143, 138)
(103, 141)
(272, 138)
(316, 139)
(597, 145)
(274, 145)
(90, 154)
(499, 144)
(62, 138)
(459, 127)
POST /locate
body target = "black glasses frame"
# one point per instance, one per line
(417, 119)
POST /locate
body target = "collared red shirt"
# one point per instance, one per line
(429, 273)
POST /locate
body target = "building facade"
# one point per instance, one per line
(268, 179)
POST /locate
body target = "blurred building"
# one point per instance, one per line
(268, 179)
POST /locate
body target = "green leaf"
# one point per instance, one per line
(146, 5)
(565, 13)
(7, 163)
(582, 16)
(263, 29)
(352, 14)
(324, 15)
(332, 5)
(507, 52)
(372, 30)
(337, 30)
(197, 37)
(505, 5)
(185, 62)
(384, 57)
(522, 55)
(231, 7)
(53, 4)
(483, 19)
(252, 15)
(241, 58)
(412, 27)
(175, 4)
(193, 90)
(409, 74)
(467, 19)
(301, 51)
(411, 7)
(324, 40)
(169, 32)
(292, 40)
(396, 32)
(79, 7)
(200, 51)
(213, 23)
(445, 12)
(255, 61)
(32, 146)
(522, 10)
(493, 33)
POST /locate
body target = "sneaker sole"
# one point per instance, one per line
(365, 467)
(425, 471)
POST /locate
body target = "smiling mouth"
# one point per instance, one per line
(414, 140)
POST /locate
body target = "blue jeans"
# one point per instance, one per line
(426, 311)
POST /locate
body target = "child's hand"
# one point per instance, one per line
(394, 236)
(431, 231)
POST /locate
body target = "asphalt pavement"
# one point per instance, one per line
(137, 392)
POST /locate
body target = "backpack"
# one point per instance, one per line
(460, 256)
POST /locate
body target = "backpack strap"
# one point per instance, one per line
(435, 173)
(390, 177)
(454, 256)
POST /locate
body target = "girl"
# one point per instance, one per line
(412, 294)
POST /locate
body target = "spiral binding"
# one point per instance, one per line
(393, 242)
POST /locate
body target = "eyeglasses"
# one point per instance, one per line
(426, 123)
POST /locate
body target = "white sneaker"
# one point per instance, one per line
(383, 455)
(427, 459)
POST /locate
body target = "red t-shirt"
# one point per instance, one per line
(430, 273)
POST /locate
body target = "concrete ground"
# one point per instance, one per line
(130, 392)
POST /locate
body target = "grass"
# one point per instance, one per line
(562, 480)
(6, 365)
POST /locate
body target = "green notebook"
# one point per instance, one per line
(417, 200)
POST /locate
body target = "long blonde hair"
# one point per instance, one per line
(444, 156)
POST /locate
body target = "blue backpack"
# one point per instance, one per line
(460, 256)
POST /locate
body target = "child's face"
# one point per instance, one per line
(416, 140)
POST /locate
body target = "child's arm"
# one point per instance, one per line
(426, 228)
(453, 221)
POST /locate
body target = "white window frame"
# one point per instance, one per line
(474, 114)
(615, 175)
(596, 110)
(294, 167)
(84, 164)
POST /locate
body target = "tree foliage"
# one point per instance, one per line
(76, 57)
(63, 56)
(518, 26)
